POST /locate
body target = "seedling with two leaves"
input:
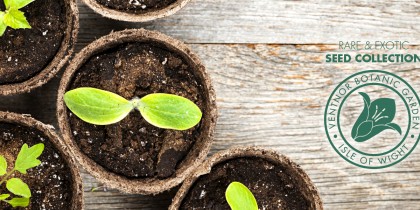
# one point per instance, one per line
(26, 159)
(13, 17)
(100, 107)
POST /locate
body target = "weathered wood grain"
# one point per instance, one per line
(275, 21)
(283, 91)
(273, 96)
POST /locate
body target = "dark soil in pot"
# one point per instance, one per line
(55, 183)
(133, 149)
(30, 57)
(275, 181)
(136, 10)
(28, 50)
(136, 6)
(272, 186)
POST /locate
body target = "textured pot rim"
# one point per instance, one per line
(197, 153)
(131, 17)
(77, 202)
(238, 152)
(59, 60)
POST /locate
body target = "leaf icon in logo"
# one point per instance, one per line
(376, 117)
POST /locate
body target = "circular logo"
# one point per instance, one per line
(372, 119)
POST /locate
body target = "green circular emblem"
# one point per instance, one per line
(372, 119)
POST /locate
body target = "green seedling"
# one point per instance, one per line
(94, 189)
(26, 159)
(239, 197)
(12, 16)
(100, 107)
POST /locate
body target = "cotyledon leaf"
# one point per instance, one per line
(239, 197)
(4, 196)
(169, 111)
(97, 106)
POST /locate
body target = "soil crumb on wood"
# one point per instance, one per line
(271, 185)
(50, 182)
(133, 147)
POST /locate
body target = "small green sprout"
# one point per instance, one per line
(100, 107)
(239, 197)
(26, 159)
(13, 17)
(94, 189)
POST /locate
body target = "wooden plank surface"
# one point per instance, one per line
(276, 21)
(283, 90)
(272, 95)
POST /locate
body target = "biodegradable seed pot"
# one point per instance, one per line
(32, 56)
(52, 176)
(136, 10)
(275, 181)
(132, 155)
